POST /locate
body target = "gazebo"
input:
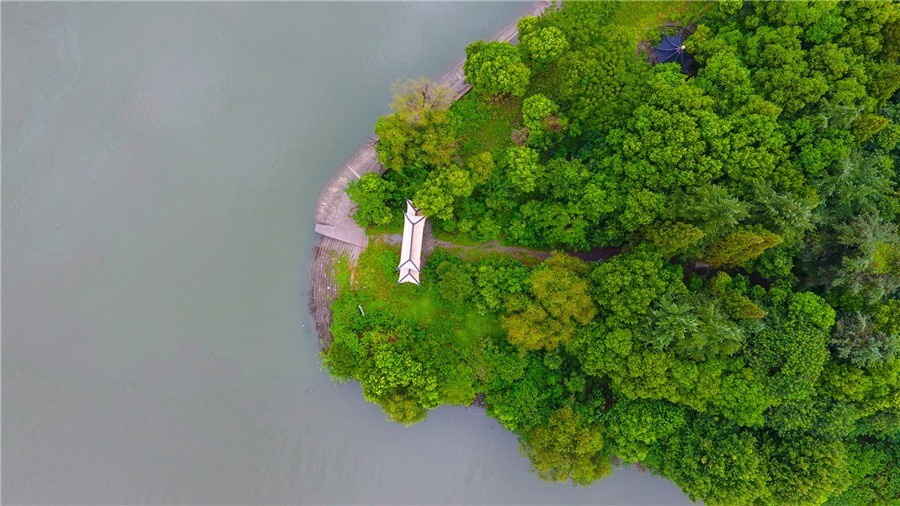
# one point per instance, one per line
(411, 248)
(671, 50)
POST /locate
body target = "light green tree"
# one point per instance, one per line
(495, 69)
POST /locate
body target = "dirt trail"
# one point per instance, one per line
(486, 247)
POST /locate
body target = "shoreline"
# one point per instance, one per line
(338, 234)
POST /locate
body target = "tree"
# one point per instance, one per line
(522, 392)
(782, 71)
(455, 284)
(633, 426)
(791, 351)
(672, 143)
(858, 184)
(601, 83)
(544, 45)
(417, 134)
(375, 199)
(742, 397)
(421, 100)
(871, 263)
(559, 287)
(673, 238)
(862, 341)
(566, 179)
(481, 166)
(627, 285)
(539, 114)
(866, 126)
(523, 169)
(443, 188)
(404, 147)
(710, 208)
(872, 467)
(558, 302)
(669, 321)
(554, 224)
(495, 69)
(735, 303)
(715, 460)
(805, 470)
(740, 246)
(567, 448)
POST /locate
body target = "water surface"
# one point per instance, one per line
(161, 162)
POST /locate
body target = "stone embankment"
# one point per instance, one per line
(339, 235)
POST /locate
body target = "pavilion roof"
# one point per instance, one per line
(411, 246)
(671, 50)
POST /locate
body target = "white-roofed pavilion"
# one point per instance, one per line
(411, 247)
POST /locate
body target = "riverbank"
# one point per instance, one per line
(339, 235)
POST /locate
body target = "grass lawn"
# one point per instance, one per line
(378, 291)
(481, 126)
(645, 18)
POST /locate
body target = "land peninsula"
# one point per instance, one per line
(661, 233)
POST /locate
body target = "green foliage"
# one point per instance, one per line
(567, 448)
(728, 7)
(736, 304)
(417, 135)
(791, 351)
(634, 426)
(873, 468)
(521, 390)
(674, 238)
(857, 339)
(544, 45)
(867, 126)
(375, 199)
(740, 246)
(773, 379)
(601, 83)
(402, 360)
(627, 285)
(523, 169)
(455, 284)
(871, 263)
(805, 470)
(420, 101)
(495, 69)
(717, 461)
(480, 126)
(557, 301)
(442, 189)
(539, 117)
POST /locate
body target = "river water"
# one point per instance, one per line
(161, 162)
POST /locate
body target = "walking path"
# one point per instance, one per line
(340, 235)
(485, 247)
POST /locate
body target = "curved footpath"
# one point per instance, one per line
(339, 235)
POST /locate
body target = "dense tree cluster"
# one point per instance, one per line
(744, 342)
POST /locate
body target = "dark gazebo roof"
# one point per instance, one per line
(671, 50)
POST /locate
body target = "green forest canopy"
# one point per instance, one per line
(774, 379)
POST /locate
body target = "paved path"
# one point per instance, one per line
(340, 235)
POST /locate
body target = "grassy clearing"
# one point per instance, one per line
(378, 292)
(481, 126)
(645, 18)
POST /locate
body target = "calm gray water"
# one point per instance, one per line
(161, 162)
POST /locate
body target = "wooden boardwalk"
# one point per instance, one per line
(339, 234)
